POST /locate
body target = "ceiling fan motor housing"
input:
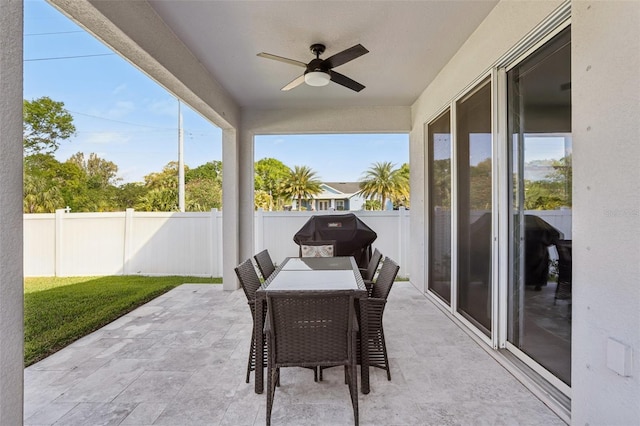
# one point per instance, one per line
(317, 49)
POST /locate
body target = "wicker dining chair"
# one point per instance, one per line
(265, 264)
(250, 283)
(308, 329)
(369, 273)
(375, 309)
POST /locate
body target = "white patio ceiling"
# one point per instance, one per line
(409, 43)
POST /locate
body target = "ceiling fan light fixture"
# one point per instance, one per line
(317, 78)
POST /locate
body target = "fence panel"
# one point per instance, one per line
(89, 243)
(170, 244)
(153, 243)
(275, 230)
(39, 245)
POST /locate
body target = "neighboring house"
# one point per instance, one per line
(340, 196)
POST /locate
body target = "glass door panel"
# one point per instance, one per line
(474, 205)
(439, 166)
(539, 125)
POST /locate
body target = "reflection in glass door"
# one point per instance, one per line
(539, 127)
(439, 166)
(474, 205)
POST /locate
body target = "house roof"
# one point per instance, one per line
(347, 188)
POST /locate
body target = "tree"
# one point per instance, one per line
(441, 187)
(209, 171)
(203, 187)
(40, 196)
(60, 184)
(372, 205)
(269, 177)
(166, 179)
(45, 124)
(301, 184)
(401, 197)
(202, 195)
(128, 195)
(101, 173)
(480, 185)
(552, 192)
(159, 200)
(163, 190)
(383, 182)
(263, 201)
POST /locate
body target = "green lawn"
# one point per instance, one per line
(58, 311)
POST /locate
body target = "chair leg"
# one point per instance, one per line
(352, 370)
(252, 354)
(384, 354)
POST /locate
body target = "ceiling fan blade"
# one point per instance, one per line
(345, 81)
(344, 56)
(282, 59)
(295, 83)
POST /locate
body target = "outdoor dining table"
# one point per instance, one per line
(313, 274)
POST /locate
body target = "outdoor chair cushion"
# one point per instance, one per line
(317, 248)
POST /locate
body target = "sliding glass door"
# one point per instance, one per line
(474, 206)
(539, 129)
(439, 184)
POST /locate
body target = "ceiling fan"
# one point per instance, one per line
(319, 72)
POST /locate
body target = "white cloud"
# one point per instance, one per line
(103, 138)
(120, 109)
(166, 107)
(116, 112)
(119, 89)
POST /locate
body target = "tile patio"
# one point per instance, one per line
(181, 360)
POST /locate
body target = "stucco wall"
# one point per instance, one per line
(11, 282)
(606, 197)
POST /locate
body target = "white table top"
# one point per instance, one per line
(317, 263)
(315, 274)
(313, 280)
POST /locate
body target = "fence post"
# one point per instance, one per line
(128, 242)
(214, 251)
(402, 238)
(259, 230)
(58, 269)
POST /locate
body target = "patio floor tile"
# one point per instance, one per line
(181, 360)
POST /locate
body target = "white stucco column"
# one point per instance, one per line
(605, 352)
(246, 191)
(11, 278)
(230, 209)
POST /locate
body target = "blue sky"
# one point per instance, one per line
(127, 118)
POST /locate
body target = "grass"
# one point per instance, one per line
(59, 311)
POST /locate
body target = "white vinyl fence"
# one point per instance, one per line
(153, 243)
(123, 243)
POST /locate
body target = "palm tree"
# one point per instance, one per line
(301, 184)
(383, 182)
(40, 196)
